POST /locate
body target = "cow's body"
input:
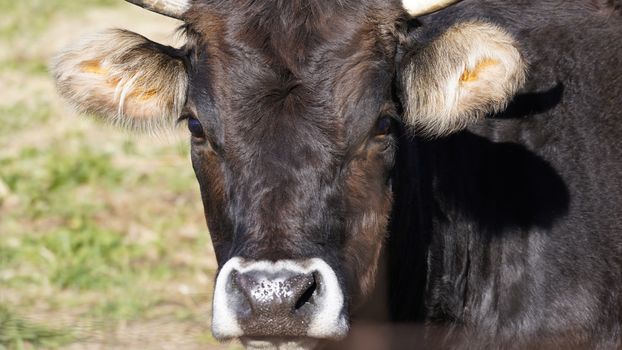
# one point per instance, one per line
(511, 231)
(505, 205)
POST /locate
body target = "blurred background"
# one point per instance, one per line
(103, 243)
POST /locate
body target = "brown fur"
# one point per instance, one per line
(288, 91)
(289, 94)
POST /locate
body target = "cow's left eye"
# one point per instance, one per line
(195, 127)
(384, 126)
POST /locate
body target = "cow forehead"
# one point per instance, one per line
(296, 42)
(292, 19)
(291, 65)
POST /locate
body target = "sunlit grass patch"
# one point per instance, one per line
(21, 115)
(46, 182)
(73, 233)
(57, 221)
(30, 65)
(80, 258)
(17, 333)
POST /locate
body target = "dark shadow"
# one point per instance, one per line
(496, 186)
(528, 104)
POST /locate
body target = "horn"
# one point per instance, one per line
(423, 7)
(171, 8)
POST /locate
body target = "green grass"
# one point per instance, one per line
(23, 114)
(17, 333)
(67, 226)
(46, 180)
(30, 65)
(81, 258)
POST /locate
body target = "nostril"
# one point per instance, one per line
(307, 295)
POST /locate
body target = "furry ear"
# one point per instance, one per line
(124, 78)
(471, 70)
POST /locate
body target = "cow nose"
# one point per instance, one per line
(280, 294)
(286, 298)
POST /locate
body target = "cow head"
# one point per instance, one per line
(291, 106)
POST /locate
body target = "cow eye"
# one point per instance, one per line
(384, 126)
(195, 127)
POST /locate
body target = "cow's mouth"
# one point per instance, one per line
(279, 343)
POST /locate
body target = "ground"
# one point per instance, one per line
(103, 243)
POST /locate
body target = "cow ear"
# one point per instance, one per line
(470, 71)
(124, 78)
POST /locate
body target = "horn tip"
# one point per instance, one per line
(423, 7)
(171, 8)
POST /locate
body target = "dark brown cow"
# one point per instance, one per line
(302, 114)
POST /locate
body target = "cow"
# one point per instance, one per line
(473, 148)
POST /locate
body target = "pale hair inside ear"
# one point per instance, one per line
(123, 78)
(470, 71)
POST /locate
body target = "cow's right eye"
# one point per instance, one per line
(384, 126)
(196, 129)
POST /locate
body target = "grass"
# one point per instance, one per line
(22, 115)
(18, 333)
(102, 235)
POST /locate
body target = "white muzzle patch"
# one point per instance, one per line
(327, 320)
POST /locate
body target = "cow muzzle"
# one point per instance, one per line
(287, 301)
